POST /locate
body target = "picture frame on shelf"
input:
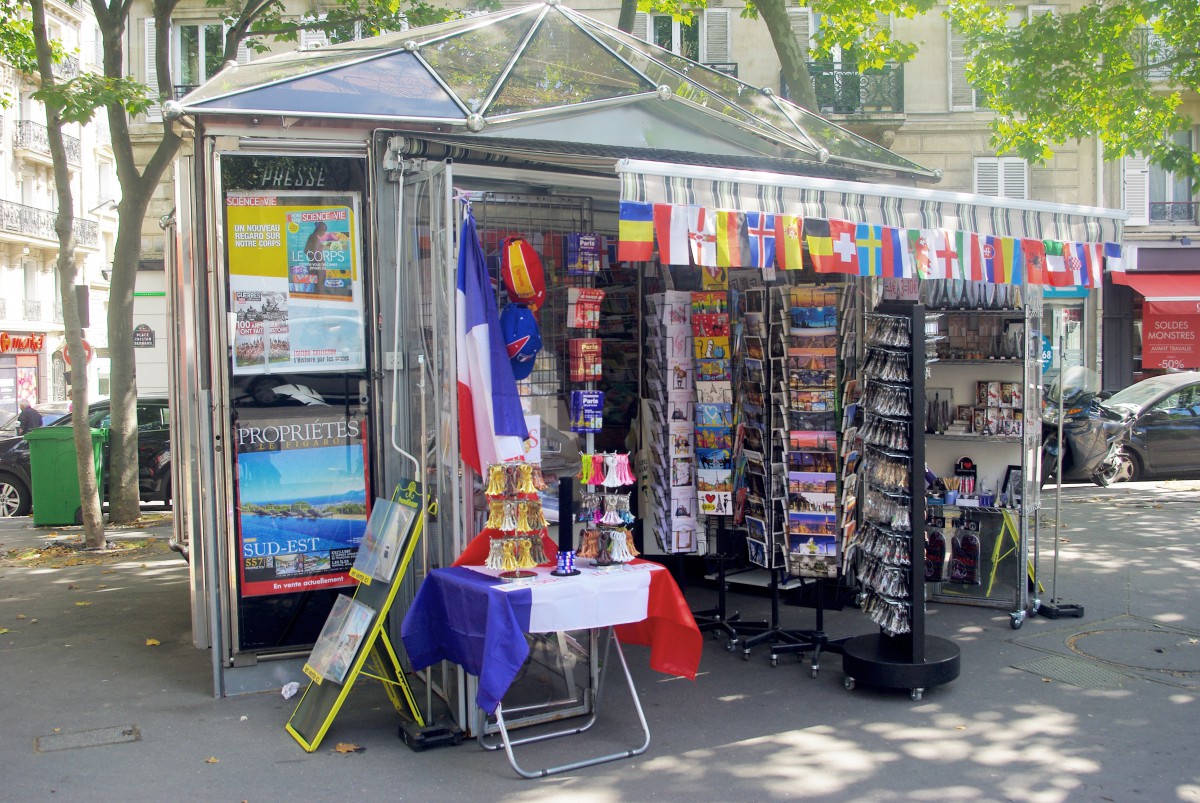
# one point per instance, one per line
(1011, 490)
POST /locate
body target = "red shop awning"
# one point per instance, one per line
(1165, 293)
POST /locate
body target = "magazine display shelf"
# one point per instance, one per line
(892, 482)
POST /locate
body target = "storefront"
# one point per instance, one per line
(321, 354)
(21, 356)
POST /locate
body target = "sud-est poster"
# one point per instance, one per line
(303, 491)
(295, 281)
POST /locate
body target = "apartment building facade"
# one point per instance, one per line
(33, 360)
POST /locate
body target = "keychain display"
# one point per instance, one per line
(515, 521)
(607, 540)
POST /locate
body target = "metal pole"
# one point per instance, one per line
(1062, 343)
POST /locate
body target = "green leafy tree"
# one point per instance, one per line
(112, 93)
(1116, 70)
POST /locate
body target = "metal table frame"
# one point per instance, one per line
(598, 671)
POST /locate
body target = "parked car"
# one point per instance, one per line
(154, 456)
(1162, 434)
(51, 412)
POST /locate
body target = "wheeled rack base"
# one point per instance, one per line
(879, 660)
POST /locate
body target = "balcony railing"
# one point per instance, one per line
(66, 69)
(1174, 211)
(3, 309)
(844, 90)
(31, 222)
(57, 313)
(35, 137)
(1148, 48)
(33, 310)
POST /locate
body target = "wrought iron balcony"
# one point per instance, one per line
(3, 309)
(31, 222)
(36, 138)
(843, 89)
(58, 312)
(32, 311)
(1174, 211)
(1147, 48)
(66, 69)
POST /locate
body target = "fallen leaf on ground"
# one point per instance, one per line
(58, 730)
(20, 616)
(1047, 680)
(348, 747)
(3, 630)
(102, 586)
(212, 760)
(83, 604)
(960, 727)
(71, 586)
(152, 642)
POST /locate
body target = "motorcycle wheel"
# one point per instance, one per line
(1122, 468)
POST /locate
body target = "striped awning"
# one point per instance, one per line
(860, 202)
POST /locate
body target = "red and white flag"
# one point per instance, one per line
(671, 229)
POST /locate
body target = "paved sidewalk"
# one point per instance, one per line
(106, 699)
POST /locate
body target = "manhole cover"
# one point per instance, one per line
(1157, 649)
(93, 738)
(1084, 674)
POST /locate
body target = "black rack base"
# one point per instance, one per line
(878, 660)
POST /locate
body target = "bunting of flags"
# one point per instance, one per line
(695, 235)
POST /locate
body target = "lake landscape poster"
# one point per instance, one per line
(302, 501)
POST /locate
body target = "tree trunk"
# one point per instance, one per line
(628, 15)
(137, 190)
(793, 54)
(123, 491)
(64, 227)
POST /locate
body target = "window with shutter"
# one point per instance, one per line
(154, 112)
(641, 26)
(1002, 177)
(1135, 181)
(962, 95)
(801, 22)
(715, 42)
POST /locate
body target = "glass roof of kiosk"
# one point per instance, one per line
(496, 74)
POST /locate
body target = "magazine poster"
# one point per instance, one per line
(302, 500)
(340, 640)
(381, 545)
(295, 279)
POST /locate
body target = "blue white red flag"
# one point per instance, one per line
(491, 424)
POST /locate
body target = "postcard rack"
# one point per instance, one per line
(891, 485)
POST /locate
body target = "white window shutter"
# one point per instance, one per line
(1136, 183)
(801, 22)
(715, 44)
(987, 177)
(154, 113)
(1014, 178)
(962, 96)
(641, 26)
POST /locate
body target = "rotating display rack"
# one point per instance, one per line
(891, 487)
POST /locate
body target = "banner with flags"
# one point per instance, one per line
(491, 424)
(728, 239)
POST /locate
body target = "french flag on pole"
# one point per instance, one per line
(491, 424)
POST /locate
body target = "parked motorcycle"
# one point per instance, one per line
(1091, 434)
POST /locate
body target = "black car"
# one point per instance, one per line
(154, 456)
(1163, 432)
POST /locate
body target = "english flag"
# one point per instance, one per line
(491, 424)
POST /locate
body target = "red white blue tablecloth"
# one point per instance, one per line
(475, 619)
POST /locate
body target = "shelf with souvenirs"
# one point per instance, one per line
(981, 429)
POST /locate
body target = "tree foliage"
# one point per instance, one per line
(1116, 69)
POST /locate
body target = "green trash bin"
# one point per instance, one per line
(55, 474)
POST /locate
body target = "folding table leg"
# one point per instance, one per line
(509, 743)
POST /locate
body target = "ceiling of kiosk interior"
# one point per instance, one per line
(492, 73)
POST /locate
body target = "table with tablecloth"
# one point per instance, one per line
(471, 616)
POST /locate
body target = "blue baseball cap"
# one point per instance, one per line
(521, 337)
